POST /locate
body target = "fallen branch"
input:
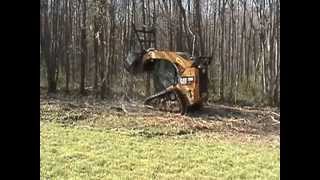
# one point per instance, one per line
(118, 109)
(149, 107)
(124, 109)
(274, 120)
(276, 123)
(275, 113)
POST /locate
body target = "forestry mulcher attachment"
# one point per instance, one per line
(180, 80)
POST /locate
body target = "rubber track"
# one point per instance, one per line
(164, 92)
(156, 95)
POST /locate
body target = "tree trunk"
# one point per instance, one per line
(95, 53)
(110, 64)
(222, 52)
(83, 48)
(49, 59)
(102, 64)
(148, 77)
(198, 21)
(68, 31)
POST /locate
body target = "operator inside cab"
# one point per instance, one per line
(164, 75)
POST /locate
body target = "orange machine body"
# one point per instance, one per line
(188, 74)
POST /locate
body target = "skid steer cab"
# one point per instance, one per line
(180, 81)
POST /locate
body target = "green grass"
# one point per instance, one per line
(80, 152)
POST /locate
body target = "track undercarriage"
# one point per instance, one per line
(167, 100)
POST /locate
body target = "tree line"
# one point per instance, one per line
(83, 44)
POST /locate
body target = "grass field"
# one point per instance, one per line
(83, 152)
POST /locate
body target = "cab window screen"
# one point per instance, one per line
(164, 75)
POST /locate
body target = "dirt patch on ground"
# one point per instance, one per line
(212, 118)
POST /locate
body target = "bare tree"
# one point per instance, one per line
(82, 42)
(84, 49)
